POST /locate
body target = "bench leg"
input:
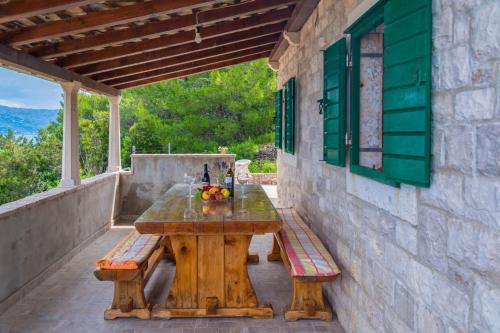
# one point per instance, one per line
(275, 254)
(307, 302)
(129, 300)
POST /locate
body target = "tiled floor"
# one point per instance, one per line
(72, 300)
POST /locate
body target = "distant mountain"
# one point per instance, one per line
(25, 122)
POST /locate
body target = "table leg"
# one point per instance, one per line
(211, 279)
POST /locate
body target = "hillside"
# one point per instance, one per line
(25, 122)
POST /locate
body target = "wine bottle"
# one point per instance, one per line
(229, 181)
(205, 180)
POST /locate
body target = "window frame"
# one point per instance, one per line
(373, 17)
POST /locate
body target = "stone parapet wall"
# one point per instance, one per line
(43, 231)
(264, 178)
(153, 174)
(412, 259)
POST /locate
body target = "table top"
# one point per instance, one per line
(254, 214)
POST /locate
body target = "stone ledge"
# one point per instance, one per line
(40, 198)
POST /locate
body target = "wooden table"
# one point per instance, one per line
(211, 277)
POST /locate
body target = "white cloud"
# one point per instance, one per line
(12, 104)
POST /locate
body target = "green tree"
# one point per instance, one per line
(228, 107)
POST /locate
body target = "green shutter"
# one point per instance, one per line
(334, 103)
(407, 91)
(290, 115)
(278, 103)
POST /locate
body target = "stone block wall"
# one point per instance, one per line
(43, 231)
(412, 259)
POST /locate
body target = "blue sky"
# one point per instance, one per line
(26, 91)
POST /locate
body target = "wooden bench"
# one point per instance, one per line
(309, 265)
(130, 265)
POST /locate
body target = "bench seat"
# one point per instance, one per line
(309, 264)
(129, 265)
(308, 257)
(131, 252)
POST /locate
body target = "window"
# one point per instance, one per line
(278, 119)
(390, 92)
(290, 116)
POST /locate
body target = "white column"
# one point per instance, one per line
(71, 142)
(114, 153)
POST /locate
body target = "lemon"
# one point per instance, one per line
(225, 192)
(205, 195)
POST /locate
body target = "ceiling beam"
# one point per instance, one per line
(302, 12)
(184, 49)
(184, 37)
(98, 20)
(27, 63)
(267, 41)
(155, 29)
(20, 9)
(193, 64)
(192, 71)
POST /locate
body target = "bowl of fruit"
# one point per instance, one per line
(210, 193)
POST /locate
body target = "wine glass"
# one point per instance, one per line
(190, 213)
(189, 180)
(243, 178)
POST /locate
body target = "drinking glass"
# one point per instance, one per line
(189, 180)
(190, 213)
(243, 178)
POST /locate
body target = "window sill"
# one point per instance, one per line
(373, 174)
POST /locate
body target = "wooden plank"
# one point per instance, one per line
(155, 29)
(98, 20)
(299, 17)
(261, 312)
(239, 289)
(25, 62)
(184, 37)
(133, 64)
(186, 63)
(301, 13)
(217, 62)
(211, 270)
(19, 9)
(183, 292)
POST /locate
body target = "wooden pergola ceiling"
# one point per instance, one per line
(115, 44)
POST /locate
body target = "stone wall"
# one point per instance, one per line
(41, 232)
(264, 178)
(412, 259)
(153, 174)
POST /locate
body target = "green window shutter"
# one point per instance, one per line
(334, 103)
(407, 91)
(290, 115)
(278, 102)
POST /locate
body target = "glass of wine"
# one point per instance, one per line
(189, 180)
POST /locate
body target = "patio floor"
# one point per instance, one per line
(73, 300)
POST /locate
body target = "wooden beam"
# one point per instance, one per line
(159, 65)
(25, 62)
(302, 12)
(19, 9)
(184, 37)
(192, 71)
(193, 64)
(98, 20)
(155, 29)
(183, 49)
